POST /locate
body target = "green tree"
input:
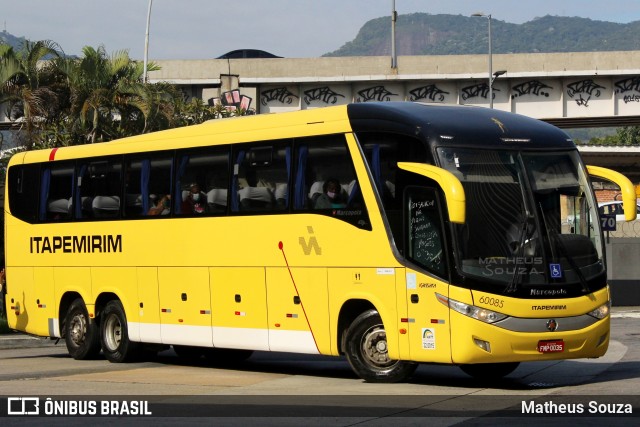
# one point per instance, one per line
(628, 135)
(28, 86)
(99, 86)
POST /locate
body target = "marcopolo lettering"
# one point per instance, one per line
(96, 243)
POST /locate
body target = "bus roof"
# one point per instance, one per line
(437, 124)
(459, 125)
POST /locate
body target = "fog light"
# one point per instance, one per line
(483, 344)
(602, 340)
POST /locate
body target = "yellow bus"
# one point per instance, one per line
(391, 233)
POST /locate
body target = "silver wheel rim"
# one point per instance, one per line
(374, 348)
(113, 332)
(78, 329)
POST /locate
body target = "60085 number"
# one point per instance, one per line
(496, 302)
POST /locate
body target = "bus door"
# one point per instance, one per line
(185, 308)
(428, 320)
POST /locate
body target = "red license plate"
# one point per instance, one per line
(551, 346)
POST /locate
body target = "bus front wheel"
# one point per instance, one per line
(115, 342)
(81, 333)
(367, 353)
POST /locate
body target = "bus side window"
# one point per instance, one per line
(24, 185)
(325, 180)
(328, 166)
(261, 177)
(98, 189)
(202, 180)
(56, 190)
(148, 186)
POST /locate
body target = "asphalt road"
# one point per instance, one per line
(292, 389)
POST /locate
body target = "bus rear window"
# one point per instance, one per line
(24, 187)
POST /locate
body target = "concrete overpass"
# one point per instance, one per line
(567, 89)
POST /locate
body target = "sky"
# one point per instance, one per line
(205, 29)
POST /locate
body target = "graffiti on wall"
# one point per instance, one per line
(374, 93)
(480, 90)
(582, 91)
(321, 94)
(532, 87)
(429, 92)
(278, 94)
(626, 88)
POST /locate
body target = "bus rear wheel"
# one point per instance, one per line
(486, 371)
(367, 353)
(115, 342)
(81, 333)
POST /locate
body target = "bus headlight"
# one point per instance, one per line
(601, 312)
(472, 311)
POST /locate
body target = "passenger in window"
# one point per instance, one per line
(332, 196)
(162, 206)
(195, 202)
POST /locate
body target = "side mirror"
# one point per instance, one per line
(626, 188)
(451, 187)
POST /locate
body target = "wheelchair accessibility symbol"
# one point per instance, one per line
(556, 271)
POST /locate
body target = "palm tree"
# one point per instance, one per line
(93, 81)
(110, 100)
(24, 85)
(157, 103)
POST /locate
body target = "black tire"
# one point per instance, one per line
(81, 332)
(226, 356)
(114, 336)
(366, 351)
(486, 371)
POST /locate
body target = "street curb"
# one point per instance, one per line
(17, 340)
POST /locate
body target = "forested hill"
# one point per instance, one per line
(425, 34)
(11, 40)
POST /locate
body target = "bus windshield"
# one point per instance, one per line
(531, 219)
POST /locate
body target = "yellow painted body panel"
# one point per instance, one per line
(545, 308)
(74, 279)
(119, 281)
(313, 307)
(184, 296)
(149, 303)
(215, 132)
(509, 346)
(249, 309)
(428, 319)
(33, 300)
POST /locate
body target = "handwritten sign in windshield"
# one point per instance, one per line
(425, 240)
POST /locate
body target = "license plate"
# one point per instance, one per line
(551, 346)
